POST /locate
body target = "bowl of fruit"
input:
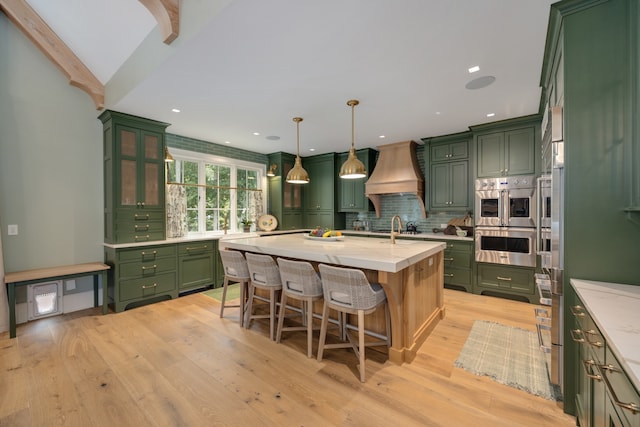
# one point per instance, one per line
(324, 234)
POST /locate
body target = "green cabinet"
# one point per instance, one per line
(459, 265)
(285, 199)
(320, 193)
(449, 186)
(507, 148)
(134, 178)
(141, 273)
(504, 280)
(196, 265)
(352, 191)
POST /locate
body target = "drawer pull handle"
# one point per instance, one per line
(145, 237)
(576, 310)
(588, 369)
(149, 286)
(201, 248)
(597, 344)
(448, 259)
(448, 275)
(508, 279)
(153, 267)
(633, 407)
(152, 253)
(141, 227)
(574, 332)
(141, 217)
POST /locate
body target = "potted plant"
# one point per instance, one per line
(246, 224)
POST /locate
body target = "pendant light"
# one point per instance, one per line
(353, 168)
(297, 175)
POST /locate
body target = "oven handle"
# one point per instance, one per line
(504, 198)
(538, 218)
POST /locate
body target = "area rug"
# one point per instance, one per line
(233, 292)
(508, 355)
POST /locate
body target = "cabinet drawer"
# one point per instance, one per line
(457, 259)
(459, 247)
(501, 277)
(139, 216)
(457, 276)
(142, 236)
(195, 248)
(147, 253)
(147, 269)
(147, 287)
(621, 391)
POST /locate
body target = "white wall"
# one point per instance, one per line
(50, 161)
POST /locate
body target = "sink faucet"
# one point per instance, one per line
(393, 233)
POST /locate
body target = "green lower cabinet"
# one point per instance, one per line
(195, 265)
(459, 265)
(502, 280)
(141, 273)
(292, 220)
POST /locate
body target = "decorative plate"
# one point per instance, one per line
(325, 239)
(267, 223)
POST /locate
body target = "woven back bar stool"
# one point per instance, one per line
(301, 282)
(263, 274)
(235, 271)
(348, 291)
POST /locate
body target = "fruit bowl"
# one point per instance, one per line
(325, 239)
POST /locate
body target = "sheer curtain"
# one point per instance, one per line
(4, 304)
(176, 210)
(256, 207)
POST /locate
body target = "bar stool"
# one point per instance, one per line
(348, 291)
(299, 281)
(236, 271)
(263, 274)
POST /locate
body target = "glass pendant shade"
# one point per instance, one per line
(297, 174)
(353, 168)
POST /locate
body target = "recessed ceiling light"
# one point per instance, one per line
(312, 149)
(474, 69)
(382, 137)
(491, 114)
(256, 133)
(175, 110)
(227, 142)
(438, 113)
(273, 137)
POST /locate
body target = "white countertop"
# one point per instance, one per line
(419, 236)
(615, 308)
(188, 238)
(352, 251)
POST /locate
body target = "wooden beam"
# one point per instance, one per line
(167, 13)
(36, 30)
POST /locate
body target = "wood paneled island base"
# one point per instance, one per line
(412, 276)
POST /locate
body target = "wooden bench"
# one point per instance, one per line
(28, 277)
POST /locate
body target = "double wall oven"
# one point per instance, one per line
(506, 219)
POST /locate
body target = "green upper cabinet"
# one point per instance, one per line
(447, 158)
(285, 199)
(319, 192)
(352, 197)
(134, 178)
(507, 148)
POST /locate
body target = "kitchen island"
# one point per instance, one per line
(410, 272)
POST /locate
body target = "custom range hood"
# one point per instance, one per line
(396, 172)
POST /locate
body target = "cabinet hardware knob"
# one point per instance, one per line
(576, 310)
(574, 332)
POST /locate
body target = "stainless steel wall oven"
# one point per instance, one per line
(512, 246)
(506, 202)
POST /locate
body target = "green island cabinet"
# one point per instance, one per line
(320, 195)
(505, 280)
(196, 264)
(599, 401)
(507, 147)
(285, 199)
(449, 186)
(134, 178)
(352, 191)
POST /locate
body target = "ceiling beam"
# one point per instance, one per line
(40, 34)
(167, 13)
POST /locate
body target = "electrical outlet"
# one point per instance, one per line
(70, 284)
(443, 225)
(12, 229)
(430, 262)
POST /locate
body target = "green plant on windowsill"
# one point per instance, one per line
(246, 224)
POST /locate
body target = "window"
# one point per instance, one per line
(220, 192)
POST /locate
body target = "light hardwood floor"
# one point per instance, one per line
(176, 363)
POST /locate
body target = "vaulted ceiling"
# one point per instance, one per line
(238, 67)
